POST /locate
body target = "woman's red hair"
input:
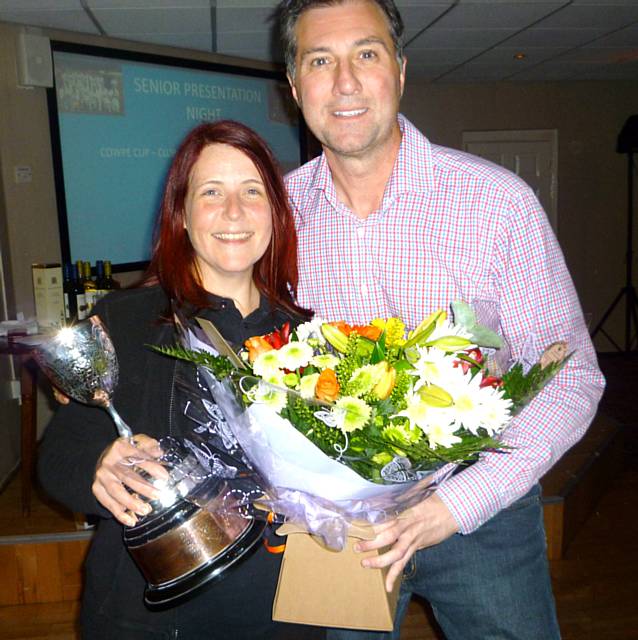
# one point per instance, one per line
(173, 264)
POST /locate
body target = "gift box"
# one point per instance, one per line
(323, 587)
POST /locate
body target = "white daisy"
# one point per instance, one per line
(295, 355)
(267, 363)
(467, 397)
(311, 331)
(496, 411)
(432, 367)
(440, 429)
(417, 412)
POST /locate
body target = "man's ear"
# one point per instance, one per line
(293, 89)
(402, 75)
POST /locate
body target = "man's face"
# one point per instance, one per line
(348, 81)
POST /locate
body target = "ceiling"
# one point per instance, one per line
(448, 41)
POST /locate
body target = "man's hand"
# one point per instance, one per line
(423, 525)
(115, 471)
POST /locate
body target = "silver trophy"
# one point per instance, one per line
(81, 361)
(196, 530)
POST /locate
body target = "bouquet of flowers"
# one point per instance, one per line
(350, 422)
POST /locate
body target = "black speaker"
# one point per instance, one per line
(628, 136)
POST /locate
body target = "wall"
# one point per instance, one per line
(592, 177)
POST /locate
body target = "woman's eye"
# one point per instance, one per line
(253, 192)
(212, 192)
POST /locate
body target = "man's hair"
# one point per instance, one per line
(289, 12)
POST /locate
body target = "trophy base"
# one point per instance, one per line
(165, 596)
(186, 547)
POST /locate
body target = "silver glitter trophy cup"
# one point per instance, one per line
(194, 532)
(81, 361)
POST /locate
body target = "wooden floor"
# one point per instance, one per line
(595, 583)
(45, 516)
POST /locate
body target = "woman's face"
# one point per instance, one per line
(227, 216)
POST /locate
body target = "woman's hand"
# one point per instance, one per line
(60, 397)
(115, 471)
(423, 525)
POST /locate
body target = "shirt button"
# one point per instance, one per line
(364, 289)
(361, 232)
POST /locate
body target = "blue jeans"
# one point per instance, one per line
(493, 584)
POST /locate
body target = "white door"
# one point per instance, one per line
(532, 155)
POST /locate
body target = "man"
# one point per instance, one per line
(391, 225)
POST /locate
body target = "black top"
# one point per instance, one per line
(237, 607)
(237, 329)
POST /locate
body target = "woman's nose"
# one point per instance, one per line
(233, 208)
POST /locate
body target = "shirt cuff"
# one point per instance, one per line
(470, 497)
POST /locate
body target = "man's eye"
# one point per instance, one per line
(319, 62)
(368, 54)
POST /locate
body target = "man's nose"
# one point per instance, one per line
(346, 80)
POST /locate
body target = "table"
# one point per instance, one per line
(28, 414)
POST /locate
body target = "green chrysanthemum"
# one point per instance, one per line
(382, 458)
(364, 379)
(351, 413)
(402, 434)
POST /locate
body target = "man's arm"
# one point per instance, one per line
(536, 297)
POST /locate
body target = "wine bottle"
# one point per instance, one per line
(100, 282)
(78, 287)
(68, 290)
(89, 287)
(111, 283)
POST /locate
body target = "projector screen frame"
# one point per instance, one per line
(127, 55)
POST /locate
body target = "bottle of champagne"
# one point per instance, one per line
(89, 287)
(108, 276)
(68, 289)
(78, 287)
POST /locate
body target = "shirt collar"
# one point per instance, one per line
(219, 304)
(322, 180)
(412, 173)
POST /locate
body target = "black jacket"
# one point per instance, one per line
(239, 606)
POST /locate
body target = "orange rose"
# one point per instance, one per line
(256, 346)
(368, 331)
(327, 387)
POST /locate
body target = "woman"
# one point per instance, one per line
(225, 249)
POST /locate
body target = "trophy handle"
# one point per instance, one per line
(123, 429)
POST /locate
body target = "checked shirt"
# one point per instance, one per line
(452, 226)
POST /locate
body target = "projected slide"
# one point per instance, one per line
(120, 122)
